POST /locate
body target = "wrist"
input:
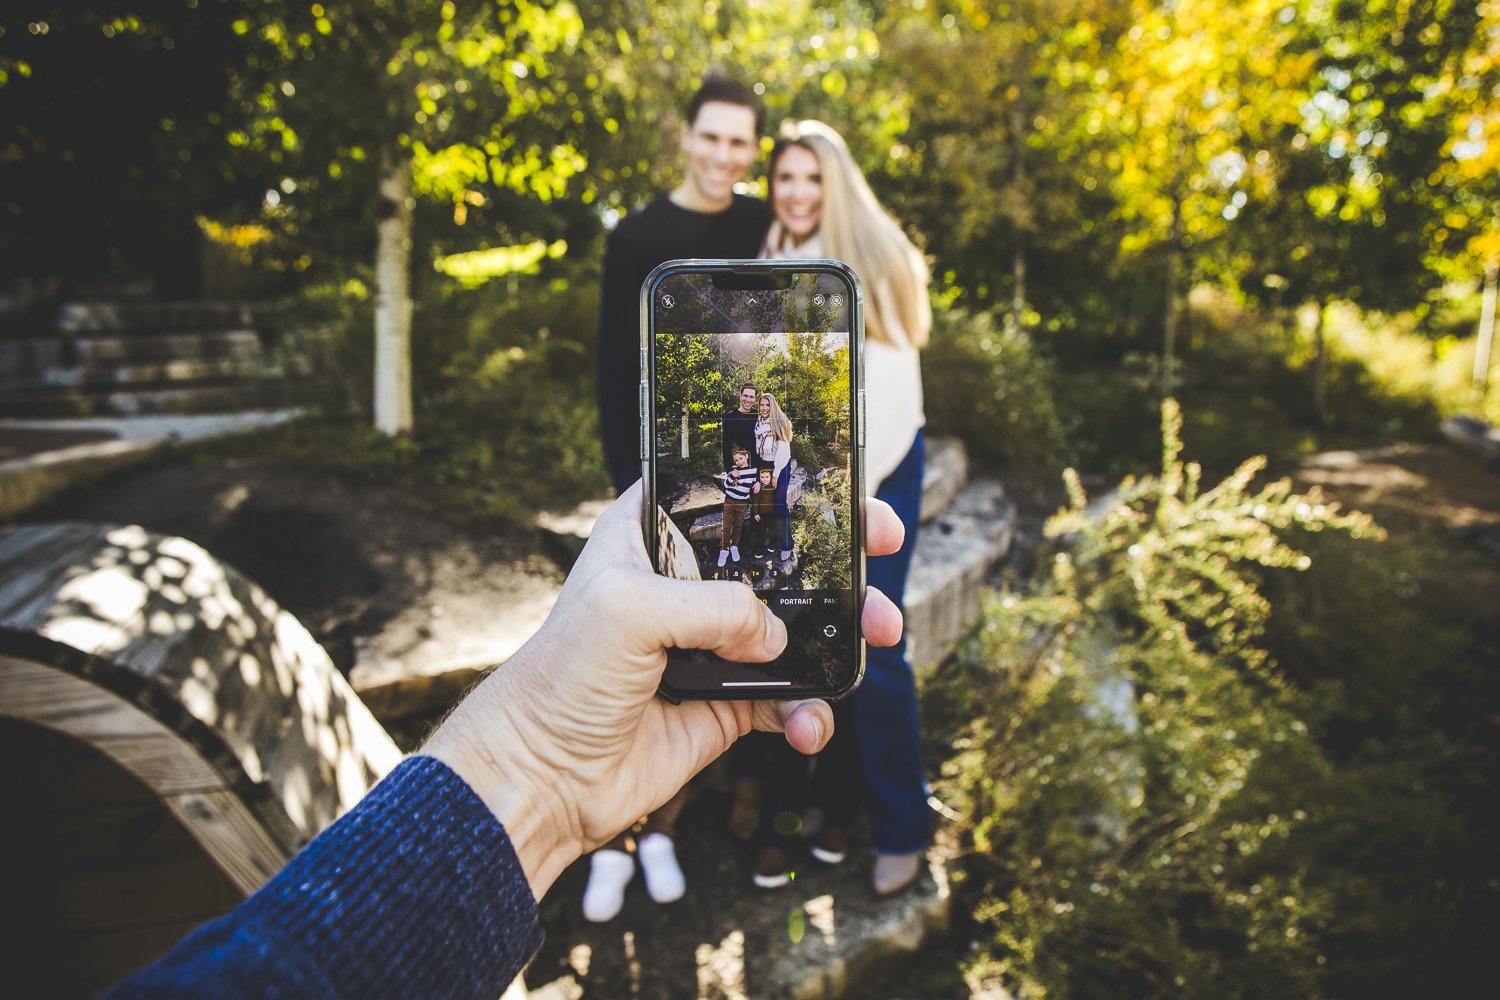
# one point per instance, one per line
(478, 745)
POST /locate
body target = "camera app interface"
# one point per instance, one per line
(752, 438)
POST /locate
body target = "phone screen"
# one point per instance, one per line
(752, 461)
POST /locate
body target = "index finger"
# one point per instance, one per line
(884, 532)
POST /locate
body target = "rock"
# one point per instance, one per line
(955, 554)
(825, 936)
(567, 532)
(1476, 436)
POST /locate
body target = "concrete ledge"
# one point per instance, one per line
(26, 482)
(429, 655)
(955, 554)
(945, 475)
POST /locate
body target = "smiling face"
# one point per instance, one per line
(765, 407)
(747, 399)
(797, 192)
(720, 146)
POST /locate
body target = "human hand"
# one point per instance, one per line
(568, 743)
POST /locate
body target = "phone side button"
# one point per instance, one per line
(862, 412)
(643, 421)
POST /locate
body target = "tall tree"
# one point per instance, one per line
(366, 110)
(1198, 82)
(1003, 169)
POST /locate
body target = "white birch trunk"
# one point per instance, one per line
(393, 298)
(1486, 332)
(1320, 371)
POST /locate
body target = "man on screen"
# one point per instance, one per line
(702, 217)
(738, 426)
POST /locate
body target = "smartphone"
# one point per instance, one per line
(752, 455)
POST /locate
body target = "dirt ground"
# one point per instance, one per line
(1415, 489)
(346, 559)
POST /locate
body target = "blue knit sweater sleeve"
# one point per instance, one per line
(415, 892)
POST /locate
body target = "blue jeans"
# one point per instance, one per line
(877, 735)
(884, 709)
(783, 512)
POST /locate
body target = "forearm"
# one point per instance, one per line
(417, 891)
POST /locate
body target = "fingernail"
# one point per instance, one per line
(817, 732)
(775, 633)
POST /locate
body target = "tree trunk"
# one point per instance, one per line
(1018, 180)
(1320, 375)
(393, 413)
(1173, 317)
(1486, 334)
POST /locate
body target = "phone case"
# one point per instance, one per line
(660, 534)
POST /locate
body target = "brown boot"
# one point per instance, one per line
(832, 845)
(773, 868)
(744, 814)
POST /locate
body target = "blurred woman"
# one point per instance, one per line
(825, 209)
(773, 443)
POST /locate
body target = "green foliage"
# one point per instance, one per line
(703, 373)
(1139, 765)
(987, 384)
(507, 420)
(821, 530)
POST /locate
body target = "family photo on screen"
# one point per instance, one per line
(752, 451)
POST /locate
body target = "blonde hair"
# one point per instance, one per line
(780, 423)
(856, 230)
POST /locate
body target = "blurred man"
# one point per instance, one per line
(702, 217)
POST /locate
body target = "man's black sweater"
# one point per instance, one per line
(659, 232)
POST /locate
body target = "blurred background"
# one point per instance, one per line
(1282, 214)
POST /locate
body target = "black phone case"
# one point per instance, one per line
(749, 269)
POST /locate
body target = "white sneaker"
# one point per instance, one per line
(664, 878)
(609, 873)
(734, 552)
(723, 557)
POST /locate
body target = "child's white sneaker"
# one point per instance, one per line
(609, 873)
(723, 557)
(734, 552)
(664, 878)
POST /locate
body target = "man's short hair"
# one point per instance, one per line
(724, 90)
(749, 385)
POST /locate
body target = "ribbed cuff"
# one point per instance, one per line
(417, 891)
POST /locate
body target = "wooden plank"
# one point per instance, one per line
(231, 835)
(221, 824)
(88, 713)
(40, 569)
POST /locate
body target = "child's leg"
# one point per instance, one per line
(735, 521)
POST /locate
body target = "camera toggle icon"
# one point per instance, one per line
(830, 630)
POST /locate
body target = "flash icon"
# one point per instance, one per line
(668, 302)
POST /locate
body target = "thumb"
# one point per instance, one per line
(718, 615)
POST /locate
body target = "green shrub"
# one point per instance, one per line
(989, 386)
(1139, 764)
